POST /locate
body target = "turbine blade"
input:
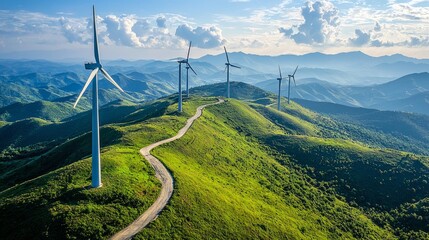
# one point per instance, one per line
(110, 79)
(226, 53)
(91, 76)
(235, 66)
(280, 71)
(295, 71)
(225, 68)
(294, 80)
(96, 55)
(189, 65)
(189, 50)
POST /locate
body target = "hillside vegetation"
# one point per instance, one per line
(243, 171)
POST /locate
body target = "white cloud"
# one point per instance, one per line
(120, 30)
(161, 22)
(23, 22)
(202, 37)
(249, 43)
(75, 30)
(321, 21)
(361, 38)
(377, 27)
(126, 30)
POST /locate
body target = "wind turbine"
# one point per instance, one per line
(187, 70)
(95, 67)
(180, 76)
(280, 85)
(288, 91)
(227, 71)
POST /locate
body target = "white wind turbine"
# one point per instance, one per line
(293, 77)
(280, 85)
(95, 67)
(180, 76)
(187, 70)
(227, 71)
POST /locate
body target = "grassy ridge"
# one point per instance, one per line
(228, 186)
(242, 171)
(60, 205)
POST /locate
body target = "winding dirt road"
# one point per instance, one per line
(164, 176)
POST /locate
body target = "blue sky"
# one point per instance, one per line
(161, 29)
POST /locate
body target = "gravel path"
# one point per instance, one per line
(164, 176)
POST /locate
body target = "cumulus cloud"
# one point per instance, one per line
(124, 30)
(23, 22)
(249, 43)
(120, 30)
(75, 30)
(320, 24)
(376, 38)
(418, 41)
(361, 38)
(377, 27)
(202, 37)
(153, 32)
(142, 27)
(161, 22)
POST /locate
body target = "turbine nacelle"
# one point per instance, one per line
(92, 66)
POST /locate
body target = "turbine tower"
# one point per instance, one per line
(227, 72)
(187, 70)
(293, 77)
(280, 85)
(95, 67)
(180, 76)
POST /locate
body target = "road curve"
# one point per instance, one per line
(164, 176)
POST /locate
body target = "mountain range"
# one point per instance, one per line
(408, 93)
(386, 83)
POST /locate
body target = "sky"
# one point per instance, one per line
(162, 29)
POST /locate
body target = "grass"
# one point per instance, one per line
(242, 171)
(60, 205)
(228, 186)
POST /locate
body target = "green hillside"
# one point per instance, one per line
(243, 171)
(229, 186)
(51, 111)
(398, 130)
(65, 140)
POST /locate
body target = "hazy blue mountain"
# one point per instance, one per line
(34, 80)
(20, 67)
(417, 103)
(371, 69)
(44, 86)
(408, 93)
